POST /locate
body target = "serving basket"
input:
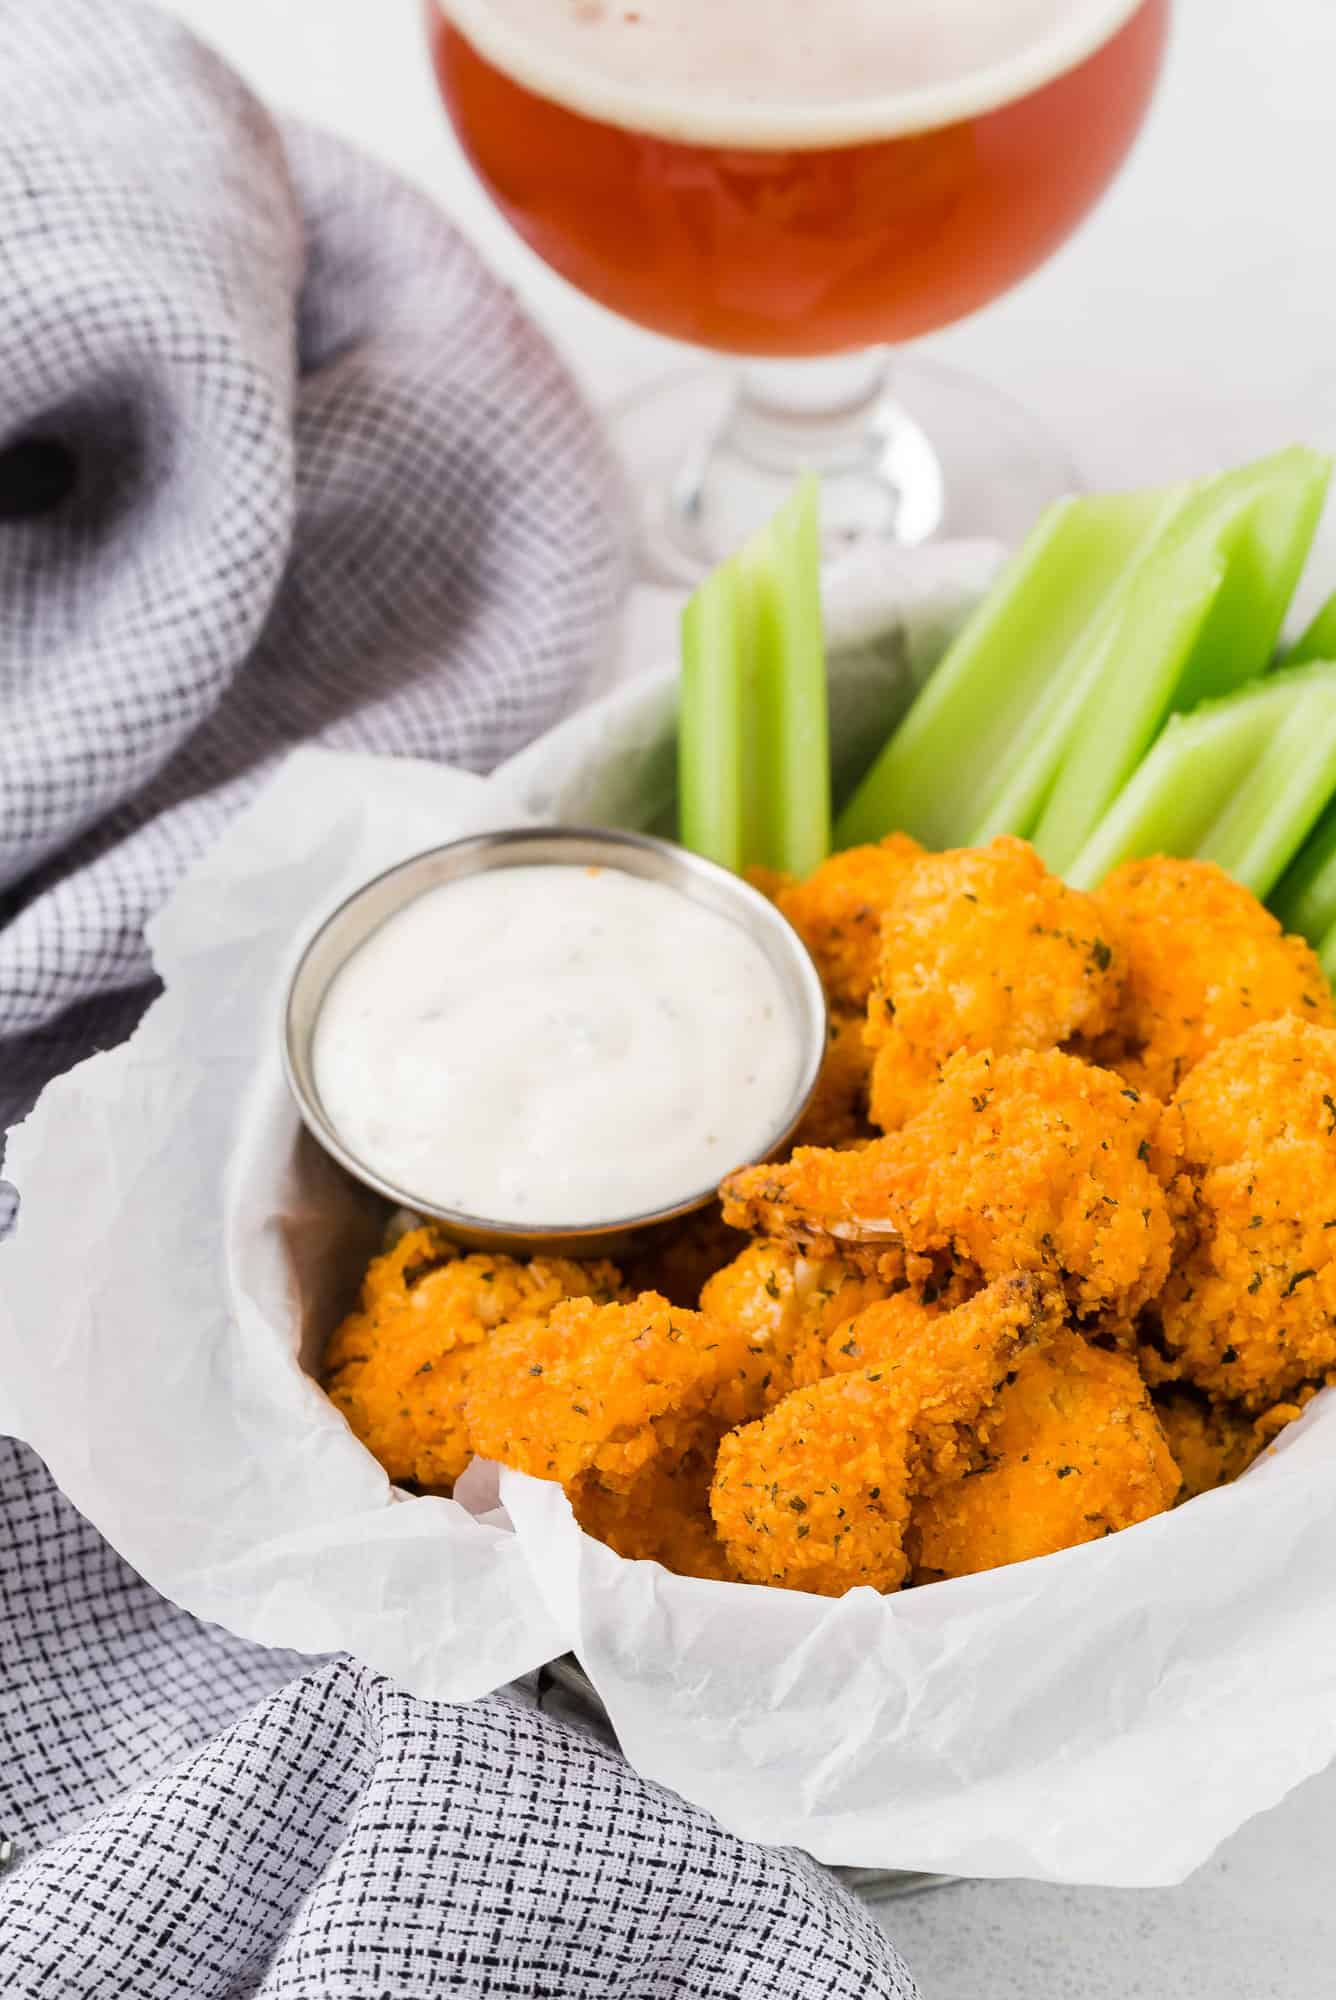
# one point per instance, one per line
(1107, 1714)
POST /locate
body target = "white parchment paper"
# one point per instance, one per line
(1105, 1715)
(182, 1247)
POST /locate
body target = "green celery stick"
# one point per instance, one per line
(977, 751)
(1265, 823)
(1319, 641)
(1115, 612)
(1169, 803)
(1264, 517)
(1305, 897)
(711, 783)
(1239, 781)
(1197, 615)
(1025, 778)
(1326, 952)
(788, 716)
(1140, 650)
(753, 732)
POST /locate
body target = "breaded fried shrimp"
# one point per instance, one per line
(607, 1389)
(678, 1259)
(1210, 1443)
(867, 1339)
(1249, 1312)
(1215, 1443)
(785, 1305)
(399, 1367)
(1016, 1163)
(838, 1109)
(817, 1495)
(1074, 1453)
(1205, 961)
(983, 948)
(837, 912)
(1279, 1416)
(663, 1516)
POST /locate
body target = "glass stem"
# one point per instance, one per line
(809, 414)
(836, 416)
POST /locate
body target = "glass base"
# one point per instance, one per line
(914, 452)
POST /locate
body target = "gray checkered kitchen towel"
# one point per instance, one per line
(279, 459)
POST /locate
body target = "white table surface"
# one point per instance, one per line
(1191, 324)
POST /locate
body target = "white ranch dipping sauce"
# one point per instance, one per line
(556, 1045)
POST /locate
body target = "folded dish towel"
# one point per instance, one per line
(278, 459)
(226, 1822)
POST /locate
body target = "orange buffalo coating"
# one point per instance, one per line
(1073, 1450)
(679, 1258)
(818, 1494)
(866, 1339)
(837, 912)
(662, 1516)
(1205, 961)
(983, 949)
(1016, 1163)
(1074, 1453)
(400, 1366)
(837, 1112)
(1281, 1415)
(607, 1390)
(1211, 1443)
(786, 1305)
(1214, 1443)
(1249, 1311)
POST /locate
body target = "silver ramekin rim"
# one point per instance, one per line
(346, 928)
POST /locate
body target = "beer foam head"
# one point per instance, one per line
(785, 72)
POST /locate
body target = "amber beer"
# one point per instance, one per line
(780, 238)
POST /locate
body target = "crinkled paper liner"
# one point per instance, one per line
(1105, 1715)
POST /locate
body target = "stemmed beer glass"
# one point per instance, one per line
(804, 184)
